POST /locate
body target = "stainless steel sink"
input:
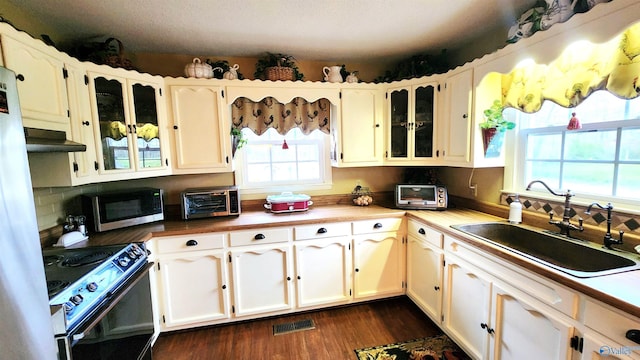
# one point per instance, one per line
(574, 257)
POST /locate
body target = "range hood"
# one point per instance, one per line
(40, 140)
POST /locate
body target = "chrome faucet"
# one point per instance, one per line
(565, 225)
(608, 239)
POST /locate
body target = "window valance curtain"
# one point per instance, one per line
(581, 69)
(269, 113)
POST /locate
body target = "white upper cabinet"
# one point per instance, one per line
(357, 134)
(200, 128)
(129, 124)
(41, 83)
(455, 136)
(411, 124)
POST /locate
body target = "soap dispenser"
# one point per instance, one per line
(515, 210)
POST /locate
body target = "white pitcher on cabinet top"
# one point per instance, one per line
(332, 73)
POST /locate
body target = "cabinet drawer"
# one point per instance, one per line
(423, 232)
(611, 323)
(260, 236)
(376, 226)
(196, 242)
(322, 231)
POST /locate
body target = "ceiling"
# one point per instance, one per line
(338, 30)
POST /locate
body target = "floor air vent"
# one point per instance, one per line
(286, 328)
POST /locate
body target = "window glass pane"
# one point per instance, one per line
(258, 173)
(547, 171)
(628, 180)
(544, 146)
(308, 171)
(257, 153)
(629, 147)
(592, 178)
(307, 152)
(280, 155)
(596, 145)
(284, 171)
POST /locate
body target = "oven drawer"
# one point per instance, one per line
(195, 242)
(376, 226)
(322, 231)
(260, 236)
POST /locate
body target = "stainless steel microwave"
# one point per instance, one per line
(210, 202)
(421, 197)
(118, 209)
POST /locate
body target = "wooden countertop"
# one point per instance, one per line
(618, 290)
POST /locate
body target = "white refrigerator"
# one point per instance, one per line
(26, 330)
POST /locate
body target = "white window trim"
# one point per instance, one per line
(325, 168)
(515, 168)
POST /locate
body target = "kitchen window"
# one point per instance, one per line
(283, 162)
(601, 160)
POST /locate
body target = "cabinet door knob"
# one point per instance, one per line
(377, 225)
(377, 125)
(85, 123)
(421, 231)
(357, 270)
(322, 230)
(175, 127)
(633, 335)
(259, 237)
(299, 277)
(20, 77)
(436, 288)
(192, 243)
(464, 116)
(224, 287)
(288, 278)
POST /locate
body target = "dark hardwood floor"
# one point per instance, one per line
(338, 332)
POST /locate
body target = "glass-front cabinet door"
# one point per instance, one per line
(129, 124)
(145, 107)
(411, 124)
(114, 126)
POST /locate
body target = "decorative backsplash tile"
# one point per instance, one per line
(619, 221)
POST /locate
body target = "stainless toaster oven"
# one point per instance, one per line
(210, 202)
(421, 197)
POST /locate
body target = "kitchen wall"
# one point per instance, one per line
(53, 204)
(489, 182)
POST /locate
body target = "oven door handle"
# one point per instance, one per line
(81, 332)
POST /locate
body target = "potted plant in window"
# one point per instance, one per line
(493, 128)
(277, 67)
(237, 140)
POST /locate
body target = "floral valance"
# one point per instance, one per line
(269, 113)
(581, 69)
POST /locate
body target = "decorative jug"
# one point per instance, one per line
(332, 73)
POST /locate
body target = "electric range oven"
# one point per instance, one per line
(100, 300)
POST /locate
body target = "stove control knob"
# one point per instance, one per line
(76, 299)
(92, 286)
(131, 254)
(136, 250)
(123, 261)
(68, 307)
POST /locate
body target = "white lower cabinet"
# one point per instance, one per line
(261, 280)
(323, 271)
(466, 307)
(193, 280)
(378, 265)
(424, 272)
(521, 331)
